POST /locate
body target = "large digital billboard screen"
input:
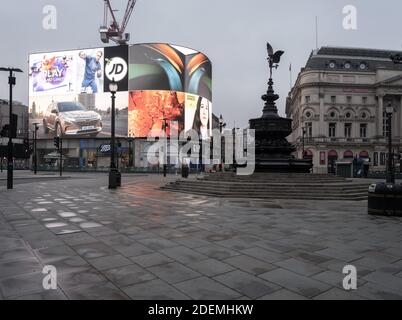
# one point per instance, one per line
(172, 82)
(69, 91)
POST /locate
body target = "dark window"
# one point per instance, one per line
(382, 159)
(348, 130)
(332, 130)
(349, 99)
(364, 100)
(309, 129)
(363, 130)
(307, 99)
(333, 99)
(375, 159)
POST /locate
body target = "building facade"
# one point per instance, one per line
(21, 146)
(339, 101)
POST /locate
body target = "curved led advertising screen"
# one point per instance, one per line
(169, 82)
(69, 91)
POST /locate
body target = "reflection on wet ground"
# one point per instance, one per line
(141, 242)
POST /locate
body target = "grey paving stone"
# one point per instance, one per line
(283, 294)
(128, 275)
(375, 260)
(217, 252)
(21, 266)
(192, 242)
(263, 254)
(152, 259)
(173, 272)
(340, 254)
(44, 295)
(157, 243)
(183, 254)
(309, 257)
(133, 250)
(338, 294)
(77, 239)
(154, 290)
(94, 250)
(109, 262)
(104, 291)
(80, 278)
(386, 280)
(336, 278)
(299, 266)
(210, 267)
(21, 285)
(375, 291)
(248, 285)
(249, 264)
(15, 254)
(302, 285)
(54, 253)
(70, 264)
(207, 289)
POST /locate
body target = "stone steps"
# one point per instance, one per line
(273, 186)
(270, 195)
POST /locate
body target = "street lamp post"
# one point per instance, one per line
(390, 170)
(114, 175)
(222, 124)
(10, 168)
(164, 127)
(34, 157)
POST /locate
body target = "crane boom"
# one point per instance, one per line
(116, 31)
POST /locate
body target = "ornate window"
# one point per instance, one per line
(363, 65)
(363, 130)
(348, 130)
(332, 64)
(332, 130)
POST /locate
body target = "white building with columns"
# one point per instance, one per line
(339, 98)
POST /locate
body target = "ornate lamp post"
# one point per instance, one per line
(389, 110)
(114, 174)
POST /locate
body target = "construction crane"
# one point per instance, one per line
(115, 31)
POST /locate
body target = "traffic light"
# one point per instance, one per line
(56, 142)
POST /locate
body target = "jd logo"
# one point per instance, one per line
(50, 280)
(116, 68)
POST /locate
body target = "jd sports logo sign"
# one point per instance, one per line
(116, 68)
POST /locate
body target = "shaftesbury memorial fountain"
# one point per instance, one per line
(273, 153)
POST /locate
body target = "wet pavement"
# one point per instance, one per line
(139, 242)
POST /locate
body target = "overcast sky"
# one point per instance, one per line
(232, 33)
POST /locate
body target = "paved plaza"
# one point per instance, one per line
(139, 242)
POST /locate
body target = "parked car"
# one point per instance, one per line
(71, 119)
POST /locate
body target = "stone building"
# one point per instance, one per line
(339, 98)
